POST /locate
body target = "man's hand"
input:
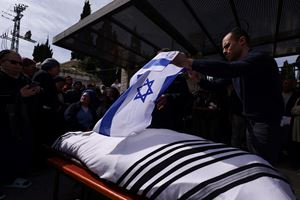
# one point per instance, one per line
(194, 76)
(161, 102)
(28, 91)
(181, 60)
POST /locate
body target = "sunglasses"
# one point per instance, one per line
(14, 62)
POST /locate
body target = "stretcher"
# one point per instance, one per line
(82, 175)
(163, 164)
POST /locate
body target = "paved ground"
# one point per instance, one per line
(293, 175)
(42, 188)
(43, 182)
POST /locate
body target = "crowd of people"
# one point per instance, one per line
(245, 106)
(38, 105)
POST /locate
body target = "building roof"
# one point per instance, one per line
(129, 32)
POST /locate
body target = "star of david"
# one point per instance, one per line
(148, 92)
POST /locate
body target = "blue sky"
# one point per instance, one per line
(47, 18)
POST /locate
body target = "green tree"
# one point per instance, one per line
(89, 64)
(288, 72)
(85, 12)
(86, 9)
(42, 51)
(101, 69)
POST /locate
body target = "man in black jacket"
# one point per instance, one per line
(46, 119)
(255, 78)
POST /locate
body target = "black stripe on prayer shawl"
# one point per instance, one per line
(184, 163)
(168, 161)
(239, 182)
(213, 187)
(142, 167)
(152, 153)
(184, 173)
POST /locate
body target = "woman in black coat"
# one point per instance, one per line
(17, 99)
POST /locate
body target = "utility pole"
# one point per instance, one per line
(18, 9)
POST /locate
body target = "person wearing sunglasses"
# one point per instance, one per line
(11, 63)
(16, 100)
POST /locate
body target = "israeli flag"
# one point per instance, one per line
(131, 113)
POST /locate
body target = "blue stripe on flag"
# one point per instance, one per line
(164, 62)
(166, 84)
(106, 121)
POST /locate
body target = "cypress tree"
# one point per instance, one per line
(86, 9)
(42, 51)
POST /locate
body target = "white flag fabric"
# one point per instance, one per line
(157, 64)
(131, 113)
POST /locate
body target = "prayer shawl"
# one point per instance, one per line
(163, 164)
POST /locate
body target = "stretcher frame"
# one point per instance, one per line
(82, 175)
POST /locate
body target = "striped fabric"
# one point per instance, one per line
(164, 164)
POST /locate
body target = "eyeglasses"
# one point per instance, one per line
(14, 62)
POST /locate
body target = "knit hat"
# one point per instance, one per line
(28, 62)
(49, 63)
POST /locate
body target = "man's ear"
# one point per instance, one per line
(242, 40)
